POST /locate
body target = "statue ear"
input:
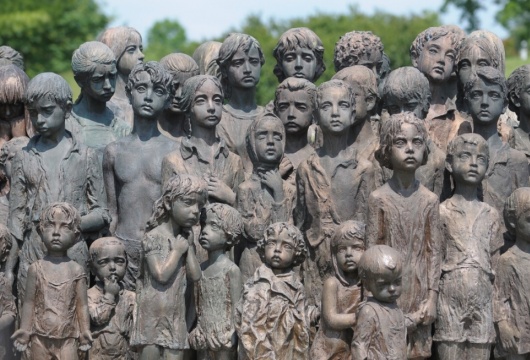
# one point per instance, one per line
(370, 103)
(79, 82)
(414, 58)
(449, 166)
(514, 99)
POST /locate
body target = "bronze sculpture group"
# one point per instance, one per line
(166, 215)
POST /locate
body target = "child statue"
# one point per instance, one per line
(341, 295)
(404, 215)
(126, 44)
(53, 167)
(518, 86)
(381, 329)
(333, 184)
(14, 119)
(240, 61)
(172, 123)
(472, 239)
(206, 56)
(359, 48)
(132, 165)
(54, 321)
(92, 121)
(485, 98)
(407, 89)
(284, 332)
(220, 286)
(512, 283)
(299, 53)
(433, 52)
(9, 56)
(265, 198)
(168, 262)
(201, 153)
(110, 306)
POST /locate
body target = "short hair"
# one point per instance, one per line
(489, 75)
(292, 232)
(11, 56)
(180, 66)
(335, 83)
(293, 84)
(98, 244)
(230, 46)
(407, 83)
(516, 205)
(206, 56)
(460, 140)
(117, 38)
(378, 259)
(176, 187)
(251, 132)
(230, 220)
(296, 38)
(13, 84)
(431, 34)
(390, 129)
(159, 76)
(486, 41)
(51, 86)
(88, 56)
(72, 216)
(361, 76)
(355, 45)
(517, 81)
(190, 87)
(347, 231)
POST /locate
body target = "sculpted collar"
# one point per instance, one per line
(189, 147)
(35, 139)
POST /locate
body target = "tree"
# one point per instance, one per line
(47, 32)
(469, 11)
(163, 38)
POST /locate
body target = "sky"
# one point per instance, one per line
(205, 19)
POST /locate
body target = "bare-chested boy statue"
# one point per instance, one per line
(132, 165)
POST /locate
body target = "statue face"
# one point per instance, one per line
(245, 69)
(485, 102)
(178, 80)
(57, 235)
(471, 60)
(437, 59)
(300, 63)
(279, 251)
(11, 111)
(386, 286)
(47, 116)
(102, 84)
(469, 164)
(268, 140)
(522, 227)
(295, 110)
(408, 149)
(349, 253)
(207, 106)
(148, 99)
(394, 105)
(110, 264)
(524, 98)
(212, 236)
(336, 113)
(361, 109)
(186, 209)
(372, 61)
(132, 55)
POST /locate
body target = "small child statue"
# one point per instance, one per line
(205, 55)
(168, 262)
(471, 244)
(485, 96)
(381, 329)
(404, 215)
(512, 283)
(433, 52)
(518, 84)
(8, 309)
(359, 48)
(341, 295)
(54, 321)
(110, 305)
(240, 61)
(265, 198)
(272, 320)
(220, 286)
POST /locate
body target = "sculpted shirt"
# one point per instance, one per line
(444, 125)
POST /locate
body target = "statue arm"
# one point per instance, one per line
(110, 185)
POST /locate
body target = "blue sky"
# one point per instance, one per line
(204, 19)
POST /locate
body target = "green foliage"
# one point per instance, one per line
(515, 17)
(468, 9)
(165, 37)
(47, 32)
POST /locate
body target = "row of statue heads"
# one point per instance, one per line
(165, 214)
